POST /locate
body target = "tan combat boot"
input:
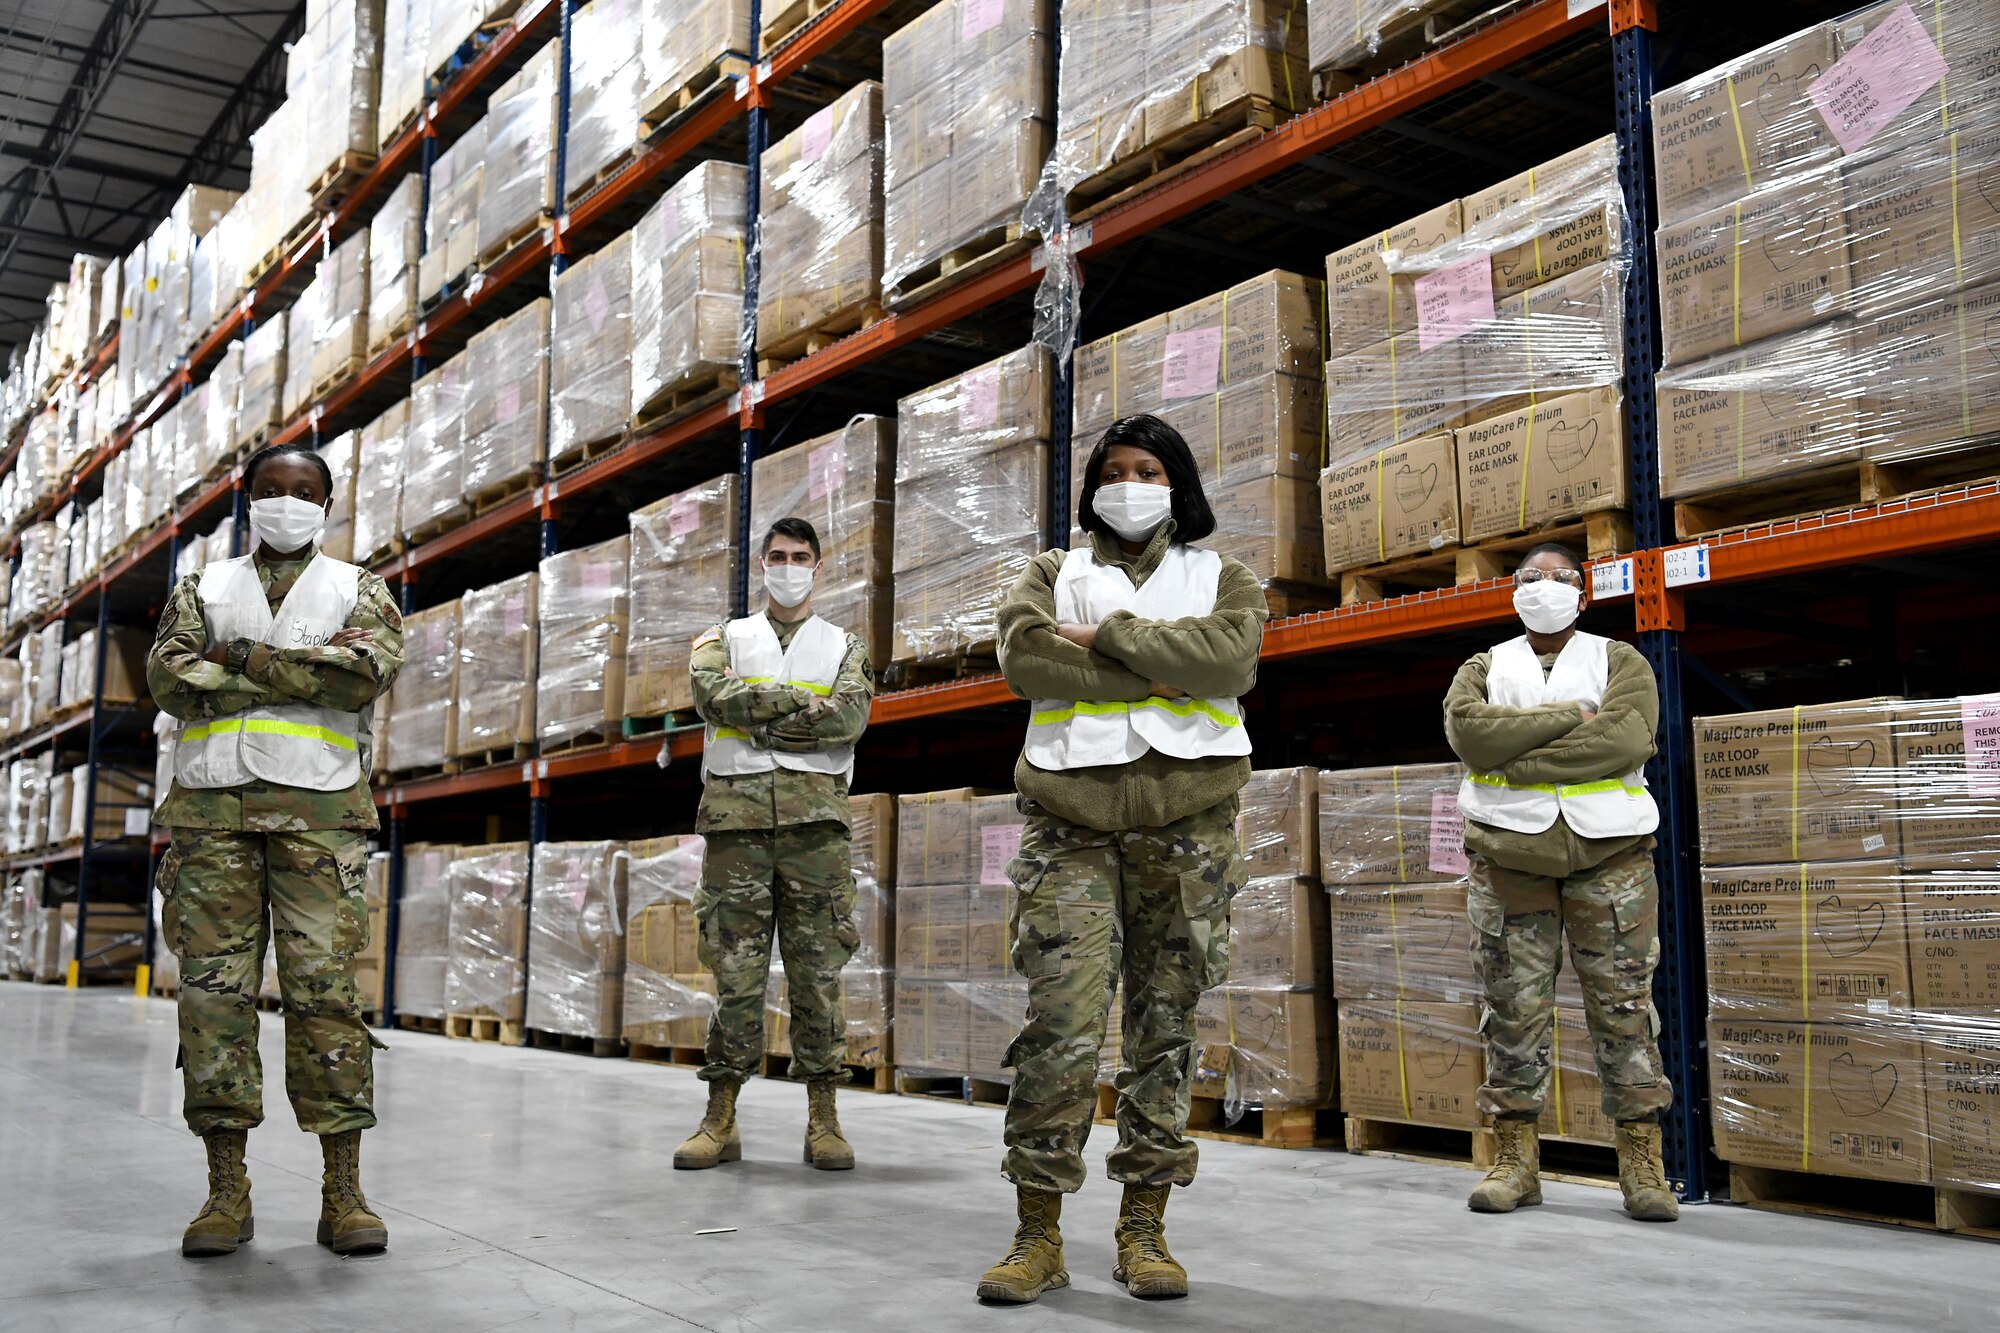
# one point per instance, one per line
(1144, 1265)
(825, 1148)
(1641, 1175)
(1515, 1181)
(716, 1141)
(1035, 1264)
(224, 1222)
(346, 1223)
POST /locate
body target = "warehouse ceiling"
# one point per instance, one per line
(109, 107)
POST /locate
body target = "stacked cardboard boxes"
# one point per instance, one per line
(585, 616)
(496, 663)
(341, 453)
(820, 225)
(843, 485)
(517, 189)
(867, 981)
(370, 976)
(487, 973)
(340, 60)
(678, 43)
(423, 929)
(393, 260)
(451, 220)
(378, 483)
(682, 579)
(261, 390)
(687, 290)
(423, 717)
(604, 73)
(576, 982)
(669, 993)
(590, 346)
(433, 482)
(505, 433)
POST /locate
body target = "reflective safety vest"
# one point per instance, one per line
(1610, 808)
(1086, 733)
(293, 744)
(812, 662)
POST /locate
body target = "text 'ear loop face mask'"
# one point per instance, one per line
(1134, 509)
(1547, 606)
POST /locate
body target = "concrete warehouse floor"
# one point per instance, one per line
(532, 1190)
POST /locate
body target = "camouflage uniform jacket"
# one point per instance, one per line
(784, 718)
(1210, 657)
(1552, 743)
(190, 689)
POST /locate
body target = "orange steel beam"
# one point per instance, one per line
(643, 449)
(721, 108)
(936, 700)
(815, 39)
(1938, 520)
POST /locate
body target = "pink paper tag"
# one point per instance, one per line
(579, 885)
(684, 514)
(1871, 85)
(510, 400)
(516, 609)
(1454, 301)
(1981, 714)
(979, 16)
(816, 136)
(597, 577)
(998, 844)
(827, 467)
(979, 400)
(1193, 364)
(1447, 835)
(597, 303)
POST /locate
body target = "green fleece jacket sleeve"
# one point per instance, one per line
(1210, 657)
(731, 701)
(1488, 737)
(1038, 662)
(838, 719)
(1615, 742)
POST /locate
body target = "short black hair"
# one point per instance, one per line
(271, 451)
(1193, 519)
(797, 529)
(1555, 548)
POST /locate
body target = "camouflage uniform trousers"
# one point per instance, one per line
(224, 897)
(1150, 905)
(1611, 914)
(798, 880)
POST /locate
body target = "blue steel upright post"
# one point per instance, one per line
(1678, 984)
(751, 439)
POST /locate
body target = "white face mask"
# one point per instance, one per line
(1134, 509)
(1547, 606)
(286, 524)
(789, 584)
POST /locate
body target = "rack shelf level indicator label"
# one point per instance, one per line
(1687, 564)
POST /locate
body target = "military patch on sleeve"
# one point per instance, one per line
(713, 636)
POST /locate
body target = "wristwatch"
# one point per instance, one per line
(239, 654)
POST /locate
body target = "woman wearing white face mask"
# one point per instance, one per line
(272, 662)
(1133, 651)
(1556, 727)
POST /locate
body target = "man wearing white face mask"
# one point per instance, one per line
(785, 695)
(272, 662)
(1556, 727)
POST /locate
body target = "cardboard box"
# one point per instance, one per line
(963, 534)
(683, 580)
(1416, 1063)
(1574, 1110)
(1264, 1047)
(504, 426)
(1835, 948)
(1371, 286)
(821, 226)
(1400, 501)
(844, 485)
(996, 1012)
(1560, 336)
(585, 615)
(1859, 1089)
(578, 931)
(114, 936)
(1954, 929)
(871, 824)
(1931, 388)
(1272, 525)
(933, 1026)
(1272, 425)
(590, 350)
(1393, 825)
(1251, 48)
(1558, 218)
(1962, 1084)
(957, 837)
(1946, 817)
(1797, 785)
(423, 719)
(498, 627)
(1968, 38)
(1278, 827)
(1558, 460)
(1915, 230)
(487, 975)
(933, 926)
(1393, 391)
(1278, 935)
(1403, 941)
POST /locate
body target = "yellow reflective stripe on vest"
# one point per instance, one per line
(261, 727)
(1095, 708)
(824, 691)
(1551, 789)
(731, 734)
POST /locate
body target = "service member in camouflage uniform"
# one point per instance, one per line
(1556, 727)
(270, 814)
(1133, 651)
(786, 695)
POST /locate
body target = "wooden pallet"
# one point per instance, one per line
(979, 659)
(960, 264)
(683, 1057)
(659, 724)
(663, 108)
(1574, 1161)
(804, 343)
(420, 1023)
(1269, 1126)
(1406, 36)
(333, 379)
(427, 305)
(482, 1027)
(601, 1047)
(588, 451)
(1864, 483)
(573, 192)
(457, 517)
(1595, 536)
(333, 184)
(1223, 131)
(395, 334)
(587, 739)
(1928, 1207)
(448, 768)
(491, 254)
(257, 439)
(963, 1088)
(489, 498)
(256, 273)
(505, 754)
(688, 396)
(779, 27)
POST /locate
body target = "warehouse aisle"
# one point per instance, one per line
(531, 1190)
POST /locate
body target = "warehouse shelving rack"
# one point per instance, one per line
(1651, 586)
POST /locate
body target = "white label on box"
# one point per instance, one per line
(1454, 301)
(1874, 842)
(1610, 578)
(817, 135)
(1447, 835)
(1194, 363)
(1687, 564)
(1579, 7)
(684, 514)
(979, 400)
(979, 16)
(597, 303)
(998, 844)
(827, 467)
(1981, 716)
(1878, 1006)
(138, 822)
(1871, 85)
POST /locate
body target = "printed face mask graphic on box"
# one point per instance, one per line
(1793, 245)
(1780, 100)
(1431, 929)
(1414, 487)
(1845, 931)
(1861, 1092)
(1436, 1056)
(1569, 445)
(1835, 767)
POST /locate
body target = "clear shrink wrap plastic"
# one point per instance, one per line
(36, 582)
(280, 193)
(496, 665)
(843, 484)
(679, 41)
(503, 426)
(451, 218)
(604, 73)
(1237, 374)
(224, 385)
(340, 454)
(687, 288)
(342, 54)
(405, 45)
(1831, 300)
(487, 975)
(585, 616)
(423, 711)
(434, 456)
(303, 325)
(683, 581)
(669, 993)
(972, 483)
(867, 981)
(968, 96)
(215, 272)
(17, 907)
(820, 228)
(1850, 893)
(519, 152)
(260, 390)
(423, 929)
(1348, 34)
(590, 350)
(340, 342)
(576, 977)
(378, 483)
(392, 261)
(958, 1004)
